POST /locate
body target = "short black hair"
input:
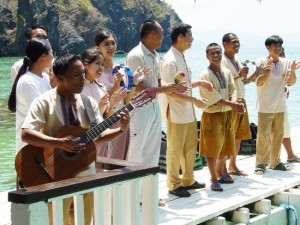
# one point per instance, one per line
(212, 45)
(226, 37)
(148, 26)
(62, 63)
(274, 39)
(28, 33)
(102, 35)
(178, 29)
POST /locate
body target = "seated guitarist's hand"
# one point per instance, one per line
(72, 144)
(124, 120)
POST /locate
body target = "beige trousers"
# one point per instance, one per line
(269, 137)
(182, 140)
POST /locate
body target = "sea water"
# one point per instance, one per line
(197, 60)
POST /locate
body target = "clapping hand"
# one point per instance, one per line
(265, 68)
(141, 74)
(117, 97)
(295, 65)
(103, 102)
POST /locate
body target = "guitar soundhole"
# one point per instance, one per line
(69, 155)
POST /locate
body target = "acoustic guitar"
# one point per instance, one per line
(35, 165)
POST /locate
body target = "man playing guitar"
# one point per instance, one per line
(62, 108)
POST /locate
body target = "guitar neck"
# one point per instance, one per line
(99, 128)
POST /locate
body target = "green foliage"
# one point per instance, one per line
(85, 6)
(130, 4)
(61, 5)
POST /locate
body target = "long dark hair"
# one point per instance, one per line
(35, 48)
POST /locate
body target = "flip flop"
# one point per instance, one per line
(239, 173)
(226, 179)
(260, 169)
(216, 186)
(294, 160)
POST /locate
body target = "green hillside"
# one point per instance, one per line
(72, 24)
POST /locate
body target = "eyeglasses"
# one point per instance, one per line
(247, 62)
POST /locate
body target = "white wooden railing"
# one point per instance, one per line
(118, 198)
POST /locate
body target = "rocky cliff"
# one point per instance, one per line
(72, 24)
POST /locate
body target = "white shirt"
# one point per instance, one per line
(29, 87)
(180, 112)
(141, 56)
(270, 95)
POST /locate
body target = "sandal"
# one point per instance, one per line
(294, 160)
(283, 167)
(260, 169)
(216, 186)
(239, 173)
(226, 179)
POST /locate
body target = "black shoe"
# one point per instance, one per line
(196, 185)
(180, 192)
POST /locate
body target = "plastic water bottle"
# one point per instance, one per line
(179, 77)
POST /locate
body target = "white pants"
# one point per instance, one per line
(145, 135)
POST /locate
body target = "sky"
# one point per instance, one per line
(253, 21)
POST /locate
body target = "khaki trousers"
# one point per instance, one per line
(68, 213)
(269, 137)
(182, 140)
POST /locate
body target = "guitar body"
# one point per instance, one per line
(35, 166)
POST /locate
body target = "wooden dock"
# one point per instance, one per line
(205, 204)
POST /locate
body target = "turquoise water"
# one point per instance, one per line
(197, 61)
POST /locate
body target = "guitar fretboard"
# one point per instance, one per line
(99, 128)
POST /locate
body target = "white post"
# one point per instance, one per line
(29, 214)
(220, 220)
(107, 192)
(103, 206)
(241, 215)
(263, 206)
(78, 210)
(135, 199)
(57, 212)
(98, 207)
(126, 204)
(117, 204)
(150, 200)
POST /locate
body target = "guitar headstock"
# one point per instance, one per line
(143, 98)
